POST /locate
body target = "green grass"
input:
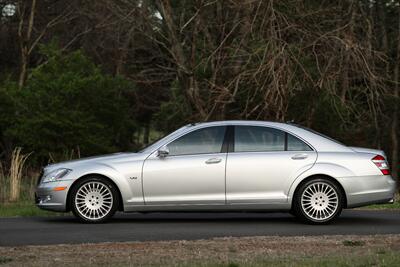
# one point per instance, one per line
(374, 258)
(4, 260)
(373, 250)
(23, 209)
(395, 205)
(385, 258)
(26, 209)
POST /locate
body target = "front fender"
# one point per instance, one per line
(123, 183)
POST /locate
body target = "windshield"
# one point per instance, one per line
(158, 142)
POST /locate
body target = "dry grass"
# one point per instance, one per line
(379, 250)
(16, 168)
(3, 184)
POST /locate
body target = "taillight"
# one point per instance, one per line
(381, 163)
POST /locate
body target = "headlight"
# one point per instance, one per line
(56, 174)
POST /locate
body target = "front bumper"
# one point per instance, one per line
(366, 190)
(48, 199)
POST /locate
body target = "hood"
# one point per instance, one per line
(368, 150)
(102, 159)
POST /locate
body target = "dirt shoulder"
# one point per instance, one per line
(380, 250)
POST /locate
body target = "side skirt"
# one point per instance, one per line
(208, 208)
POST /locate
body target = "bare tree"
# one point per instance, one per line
(395, 119)
(249, 58)
(31, 33)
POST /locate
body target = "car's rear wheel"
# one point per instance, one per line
(94, 199)
(318, 201)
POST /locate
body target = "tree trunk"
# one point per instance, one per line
(25, 43)
(24, 66)
(395, 119)
(347, 59)
(185, 76)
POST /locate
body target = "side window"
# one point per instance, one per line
(258, 139)
(202, 141)
(295, 144)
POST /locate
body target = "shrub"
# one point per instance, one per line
(68, 103)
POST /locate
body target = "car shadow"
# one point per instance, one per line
(183, 217)
(346, 219)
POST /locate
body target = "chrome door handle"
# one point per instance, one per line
(213, 161)
(300, 156)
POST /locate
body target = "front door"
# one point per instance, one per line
(192, 173)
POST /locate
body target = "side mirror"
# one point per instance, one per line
(163, 152)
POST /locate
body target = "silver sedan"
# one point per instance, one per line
(223, 166)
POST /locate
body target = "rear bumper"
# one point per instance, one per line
(366, 190)
(48, 199)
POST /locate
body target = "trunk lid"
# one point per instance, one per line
(368, 150)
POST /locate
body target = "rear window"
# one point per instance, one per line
(317, 133)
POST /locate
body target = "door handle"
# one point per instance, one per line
(299, 156)
(213, 161)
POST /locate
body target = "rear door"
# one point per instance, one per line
(264, 163)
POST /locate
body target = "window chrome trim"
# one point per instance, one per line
(231, 144)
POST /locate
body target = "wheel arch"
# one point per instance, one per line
(68, 201)
(319, 176)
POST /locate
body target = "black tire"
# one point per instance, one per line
(98, 180)
(302, 211)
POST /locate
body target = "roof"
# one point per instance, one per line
(318, 142)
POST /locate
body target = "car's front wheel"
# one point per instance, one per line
(94, 199)
(318, 201)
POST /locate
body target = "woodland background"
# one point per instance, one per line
(80, 77)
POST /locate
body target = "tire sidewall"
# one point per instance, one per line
(301, 213)
(84, 181)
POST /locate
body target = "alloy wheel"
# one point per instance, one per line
(319, 201)
(94, 200)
